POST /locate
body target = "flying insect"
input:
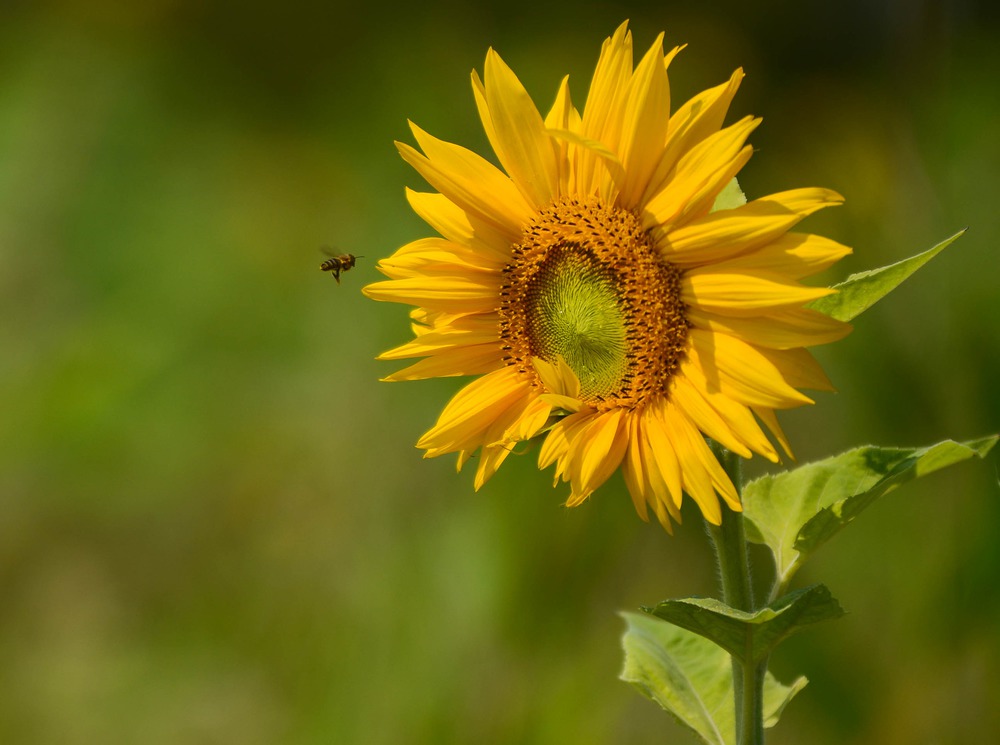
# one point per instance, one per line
(338, 264)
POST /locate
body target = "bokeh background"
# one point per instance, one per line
(214, 525)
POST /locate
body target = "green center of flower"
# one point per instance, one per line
(587, 284)
(574, 311)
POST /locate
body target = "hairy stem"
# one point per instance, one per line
(737, 592)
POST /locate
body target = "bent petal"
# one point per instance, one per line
(448, 219)
(467, 417)
(470, 181)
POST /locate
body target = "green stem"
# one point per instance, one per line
(737, 592)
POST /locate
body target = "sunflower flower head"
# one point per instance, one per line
(602, 304)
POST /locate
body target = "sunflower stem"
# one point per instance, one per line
(737, 592)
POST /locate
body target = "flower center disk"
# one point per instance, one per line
(586, 284)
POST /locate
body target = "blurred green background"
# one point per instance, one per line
(214, 525)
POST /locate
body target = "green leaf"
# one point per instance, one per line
(796, 512)
(730, 197)
(859, 292)
(750, 637)
(692, 678)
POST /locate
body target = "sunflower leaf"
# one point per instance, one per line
(730, 197)
(692, 678)
(796, 512)
(860, 291)
(750, 637)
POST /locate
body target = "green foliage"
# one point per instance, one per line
(795, 512)
(751, 637)
(692, 678)
(860, 291)
(730, 197)
(684, 664)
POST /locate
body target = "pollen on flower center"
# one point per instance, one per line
(586, 284)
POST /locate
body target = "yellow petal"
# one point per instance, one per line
(740, 371)
(744, 294)
(799, 368)
(555, 401)
(669, 56)
(649, 465)
(529, 423)
(470, 181)
(557, 378)
(771, 421)
(591, 151)
(457, 294)
(727, 233)
(657, 460)
(602, 114)
(448, 219)
(644, 132)
(479, 92)
(699, 177)
(465, 420)
(634, 470)
(490, 459)
(600, 450)
(568, 464)
(495, 451)
(455, 323)
(556, 442)
(563, 116)
(690, 124)
(687, 398)
(471, 360)
(447, 337)
(524, 148)
(795, 255)
(737, 416)
(697, 480)
(425, 319)
(436, 256)
(464, 253)
(780, 329)
(661, 456)
(721, 483)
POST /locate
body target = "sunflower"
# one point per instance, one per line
(606, 308)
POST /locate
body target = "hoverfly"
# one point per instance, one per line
(338, 264)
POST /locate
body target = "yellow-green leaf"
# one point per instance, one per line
(692, 678)
(795, 512)
(860, 291)
(750, 637)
